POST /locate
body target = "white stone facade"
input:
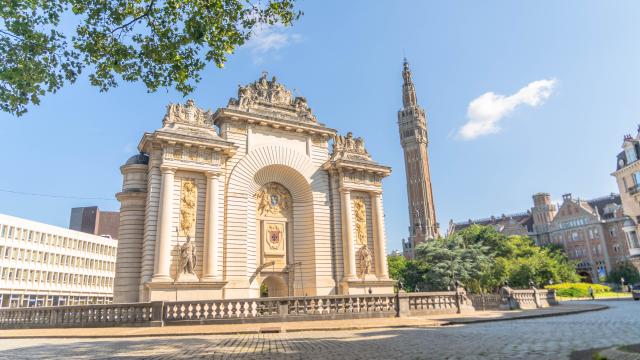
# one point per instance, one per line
(267, 207)
(45, 265)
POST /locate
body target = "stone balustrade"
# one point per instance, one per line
(527, 298)
(82, 316)
(483, 302)
(272, 309)
(280, 309)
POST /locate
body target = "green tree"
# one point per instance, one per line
(397, 265)
(161, 43)
(409, 272)
(626, 270)
(484, 259)
(451, 259)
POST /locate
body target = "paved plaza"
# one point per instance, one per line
(542, 338)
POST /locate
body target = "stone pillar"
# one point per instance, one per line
(163, 238)
(379, 238)
(348, 255)
(211, 229)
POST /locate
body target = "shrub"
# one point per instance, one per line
(577, 289)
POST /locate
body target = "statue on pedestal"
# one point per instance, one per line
(188, 256)
(365, 260)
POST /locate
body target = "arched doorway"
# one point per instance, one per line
(584, 276)
(273, 286)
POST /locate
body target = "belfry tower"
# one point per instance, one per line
(412, 123)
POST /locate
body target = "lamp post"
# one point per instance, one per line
(621, 284)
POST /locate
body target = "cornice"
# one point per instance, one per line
(226, 114)
(164, 137)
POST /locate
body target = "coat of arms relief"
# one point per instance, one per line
(273, 200)
(273, 210)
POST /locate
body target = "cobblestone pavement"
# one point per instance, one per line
(543, 338)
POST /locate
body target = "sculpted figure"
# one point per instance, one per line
(262, 86)
(264, 206)
(188, 200)
(244, 96)
(361, 221)
(348, 141)
(338, 143)
(359, 145)
(365, 260)
(188, 256)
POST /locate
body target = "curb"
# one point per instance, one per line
(434, 324)
(527, 316)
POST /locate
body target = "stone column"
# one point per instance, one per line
(211, 229)
(379, 238)
(163, 237)
(348, 255)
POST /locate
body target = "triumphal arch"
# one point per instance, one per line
(250, 200)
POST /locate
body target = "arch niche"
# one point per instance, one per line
(287, 174)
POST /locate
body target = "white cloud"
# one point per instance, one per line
(486, 111)
(268, 39)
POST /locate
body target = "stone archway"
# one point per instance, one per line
(273, 286)
(584, 276)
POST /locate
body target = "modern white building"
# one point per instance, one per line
(46, 265)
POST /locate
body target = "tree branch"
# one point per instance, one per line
(136, 19)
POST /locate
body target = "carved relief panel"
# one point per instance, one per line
(273, 214)
(362, 236)
(188, 203)
(360, 215)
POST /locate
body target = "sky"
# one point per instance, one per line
(521, 97)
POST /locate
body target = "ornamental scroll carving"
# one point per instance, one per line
(270, 92)
(360, 212)
(188, 201)
(273, 200)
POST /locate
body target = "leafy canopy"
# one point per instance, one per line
(484, 260)
(624, 270)
(163, 43)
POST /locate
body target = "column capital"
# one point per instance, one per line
(212, 174)
(345, 191)
(168, 169)
(375, 193)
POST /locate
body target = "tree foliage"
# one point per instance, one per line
(161, 43)
(452, 258)
(409, 272)
(484, 260)
(624, 270)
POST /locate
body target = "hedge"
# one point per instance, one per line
(577, 289)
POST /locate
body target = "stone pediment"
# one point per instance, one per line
(273, 99)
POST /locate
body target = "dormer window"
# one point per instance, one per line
(630, 152)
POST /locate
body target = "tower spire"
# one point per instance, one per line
(408, 90)
(412, 125)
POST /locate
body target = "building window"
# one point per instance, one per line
(631, 154)
(633, 240)
(636, 177)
